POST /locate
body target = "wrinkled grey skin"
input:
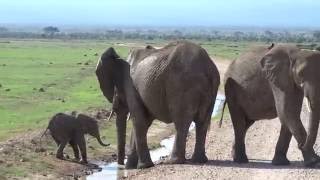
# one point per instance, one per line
(177, 83)
(70, 129)
(265, 83)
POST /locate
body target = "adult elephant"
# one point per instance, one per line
(267, 82)
(177, 83)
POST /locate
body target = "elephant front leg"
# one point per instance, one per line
(140, 132)
(311, 158)
(132, 161)
(280, 156)
(82, 146)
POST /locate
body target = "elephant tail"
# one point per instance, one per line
(45, 131)
(224, 105)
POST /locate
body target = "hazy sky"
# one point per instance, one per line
(280, 13)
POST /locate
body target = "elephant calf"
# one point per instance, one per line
(71, 129)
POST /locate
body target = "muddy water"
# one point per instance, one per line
(111, 171)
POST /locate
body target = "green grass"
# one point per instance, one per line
(27, 66)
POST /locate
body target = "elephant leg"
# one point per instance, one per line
(132, 160)
(82, 146)
(75, 149)
(199, 154)
(140, 140)
(61, 147)
(280, 156)
(179, 147)
(240, 126)
(56, 140)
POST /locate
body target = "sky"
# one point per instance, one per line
(268, 13)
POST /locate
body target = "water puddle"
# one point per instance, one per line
(111, 171)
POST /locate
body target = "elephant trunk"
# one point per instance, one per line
(121, 124)
(313, 123)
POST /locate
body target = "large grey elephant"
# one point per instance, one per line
(269, 82)
(177, 83)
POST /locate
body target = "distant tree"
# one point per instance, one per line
(316, 35)
(50, 30)
(3, 29)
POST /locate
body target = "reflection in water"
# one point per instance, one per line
(112, 171)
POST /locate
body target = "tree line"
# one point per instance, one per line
(52, 32)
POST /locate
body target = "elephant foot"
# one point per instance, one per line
(311, 162)
(83, 161)
(280, 160)
(175, 160)
(310, 157)
(239, 156)
(144, 165)
(60, 156)
(199, 158)
(132, 162)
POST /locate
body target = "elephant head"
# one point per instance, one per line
(90, 126)
(294, 73)
(113, 75)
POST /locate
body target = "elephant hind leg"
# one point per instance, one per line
(280, 156)
(199, 154)
(241, 125)
(75, 148)
(202, 124)
(61, 147)
(179, 147)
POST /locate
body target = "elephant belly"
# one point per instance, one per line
(258, 101)
(152, 91)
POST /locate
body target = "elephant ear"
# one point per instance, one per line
(276, 68)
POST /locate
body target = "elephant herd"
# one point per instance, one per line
(179, 82)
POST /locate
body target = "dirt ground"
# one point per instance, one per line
(261, 141)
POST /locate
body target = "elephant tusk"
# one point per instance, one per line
(308, 105)
(110, 115)
(128, 117)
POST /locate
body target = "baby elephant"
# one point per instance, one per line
(71, 129)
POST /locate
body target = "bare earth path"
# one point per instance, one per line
(261, 140)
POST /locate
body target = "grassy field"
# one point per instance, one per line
(65, 72)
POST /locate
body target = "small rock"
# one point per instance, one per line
(39, 149)
(50, 62)
(63, 101)
(96, 54)
(41, 90)
(49, 153)
(66, 156)
(8, 90)
(1, 161)
(85, 55)
(79, 63)
(88, 172)
(86, 63)
(91, 147)
(22, 160)
(74, 113)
